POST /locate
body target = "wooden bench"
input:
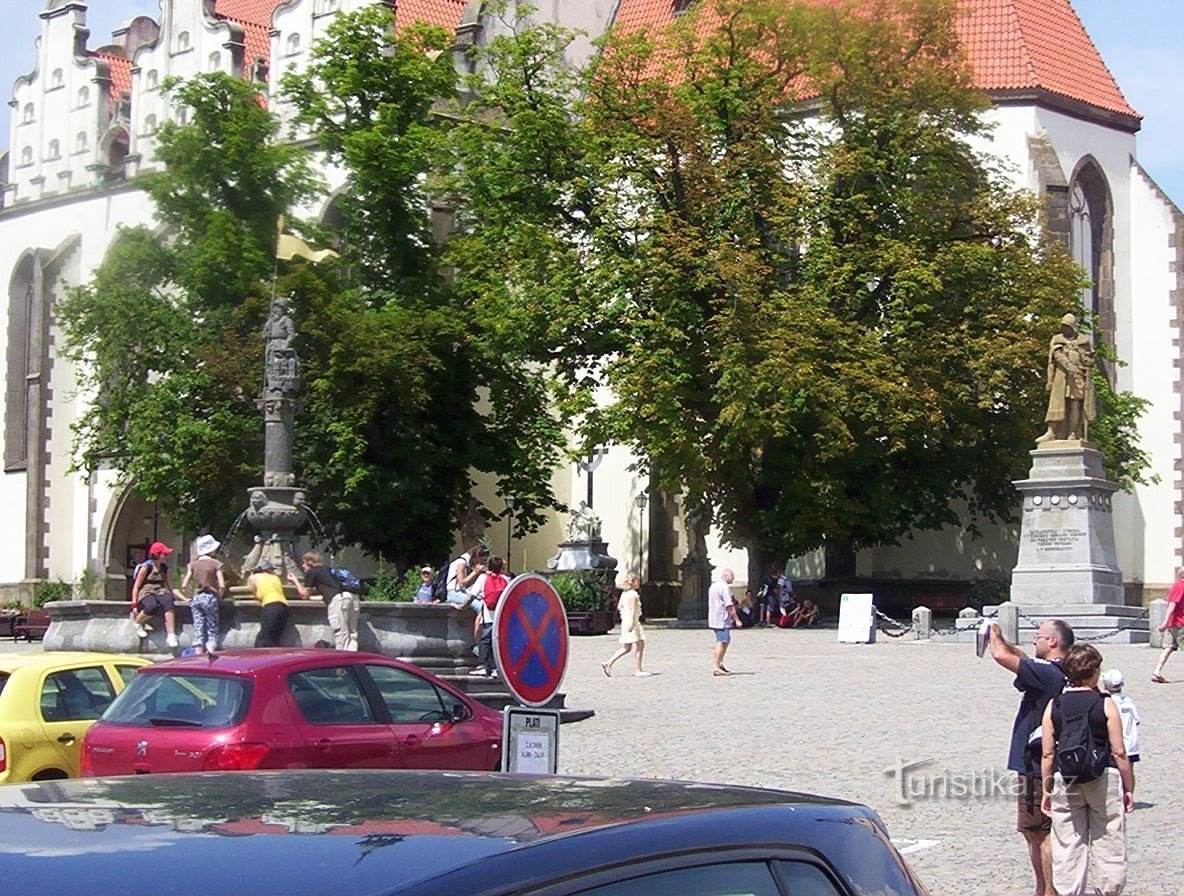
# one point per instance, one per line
(31, 626)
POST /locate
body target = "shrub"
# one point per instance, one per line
(47, 592)
(584, 590)
(388, 585)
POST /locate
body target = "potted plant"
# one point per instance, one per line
(587, 598)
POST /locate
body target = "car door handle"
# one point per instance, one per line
(67, 738)
(324, 744)
(411, 740)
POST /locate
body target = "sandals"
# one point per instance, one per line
(607, 670)
(1159, 679)
(721, 672)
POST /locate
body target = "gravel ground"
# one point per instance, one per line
(807, 713)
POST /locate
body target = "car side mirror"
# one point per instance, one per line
(460, 712)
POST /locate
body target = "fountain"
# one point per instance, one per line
(277, 507)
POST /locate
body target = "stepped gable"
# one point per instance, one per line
(1014, 46)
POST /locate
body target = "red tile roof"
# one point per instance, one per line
(121, 76)
(446, 13)
(1012, 45)
(255, 17)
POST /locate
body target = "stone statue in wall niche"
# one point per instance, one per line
(1071, 402)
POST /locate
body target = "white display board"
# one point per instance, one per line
(530, 740)
(857, 619)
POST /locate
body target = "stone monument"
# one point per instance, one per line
(277, 507)
(584, 547)
(1067, 565)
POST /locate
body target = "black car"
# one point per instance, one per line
(435, 834)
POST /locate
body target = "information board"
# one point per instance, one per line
(857, 619)
(530, 740)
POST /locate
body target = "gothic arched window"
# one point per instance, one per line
(1091, 243)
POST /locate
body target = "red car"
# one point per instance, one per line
(281, 708)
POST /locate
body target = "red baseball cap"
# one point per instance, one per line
(159, 547)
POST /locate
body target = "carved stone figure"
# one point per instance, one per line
(584, 525)
(1070, 387)
(282, 366)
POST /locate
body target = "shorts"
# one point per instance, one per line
(1174, 637)
(156, 602)
(723, 635)
(1031, 821)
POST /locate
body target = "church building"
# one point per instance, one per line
(84, 121)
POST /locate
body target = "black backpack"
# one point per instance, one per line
(440, 583)
(1080, 758)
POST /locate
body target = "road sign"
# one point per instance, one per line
(530, 740)
(530, 639)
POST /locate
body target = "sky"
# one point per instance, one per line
(1142, 41)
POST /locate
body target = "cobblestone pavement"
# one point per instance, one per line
(807, 713)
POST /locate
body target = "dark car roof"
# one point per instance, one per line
(239, 662)
(364, 832)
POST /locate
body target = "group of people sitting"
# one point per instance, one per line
(774, 604)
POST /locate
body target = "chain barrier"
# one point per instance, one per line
(883, 621)
(1133, 623)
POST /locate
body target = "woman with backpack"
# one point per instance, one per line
(493, 583)
(1089, 784)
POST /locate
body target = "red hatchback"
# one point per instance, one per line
(281, 708)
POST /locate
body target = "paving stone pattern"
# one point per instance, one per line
(813, 715)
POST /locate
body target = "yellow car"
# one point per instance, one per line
(47, 703)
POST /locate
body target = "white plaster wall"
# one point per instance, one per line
(47, 226)
(1147, 522)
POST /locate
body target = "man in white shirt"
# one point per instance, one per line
(722, 617)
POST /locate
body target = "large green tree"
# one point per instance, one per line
(759, 248)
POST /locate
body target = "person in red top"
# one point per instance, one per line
(1173, 625)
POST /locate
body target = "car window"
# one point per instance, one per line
(189, 701)
(330, 696)
(127, 673)
(731, 879)
(75, 695)
(3, 681)
(411, 698)
(804, 879)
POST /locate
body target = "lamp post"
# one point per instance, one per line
(509, 528)
(640, 502)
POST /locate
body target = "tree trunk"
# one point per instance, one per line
(840, 561)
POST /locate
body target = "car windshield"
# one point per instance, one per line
(181, 701)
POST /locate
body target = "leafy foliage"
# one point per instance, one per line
(817, 331)
(583, 590)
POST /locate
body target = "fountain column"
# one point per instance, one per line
(277, 507)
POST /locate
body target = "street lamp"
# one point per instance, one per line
(509, 528)
(640, 502)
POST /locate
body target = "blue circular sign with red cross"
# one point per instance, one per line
(530, 639)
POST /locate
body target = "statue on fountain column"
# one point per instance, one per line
(584, 525)
(281, 364)
(1071, 404)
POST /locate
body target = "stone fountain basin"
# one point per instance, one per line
(437, 637)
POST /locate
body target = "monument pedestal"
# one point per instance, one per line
(1067, 565)
(575, 555)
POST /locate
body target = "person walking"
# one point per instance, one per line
(1038, 679)
(343, 606)
(267, 588)
(722, 617)
(632, 636)
(1173, 624)
(1087, 812)
(153, 594)
(209, 584)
